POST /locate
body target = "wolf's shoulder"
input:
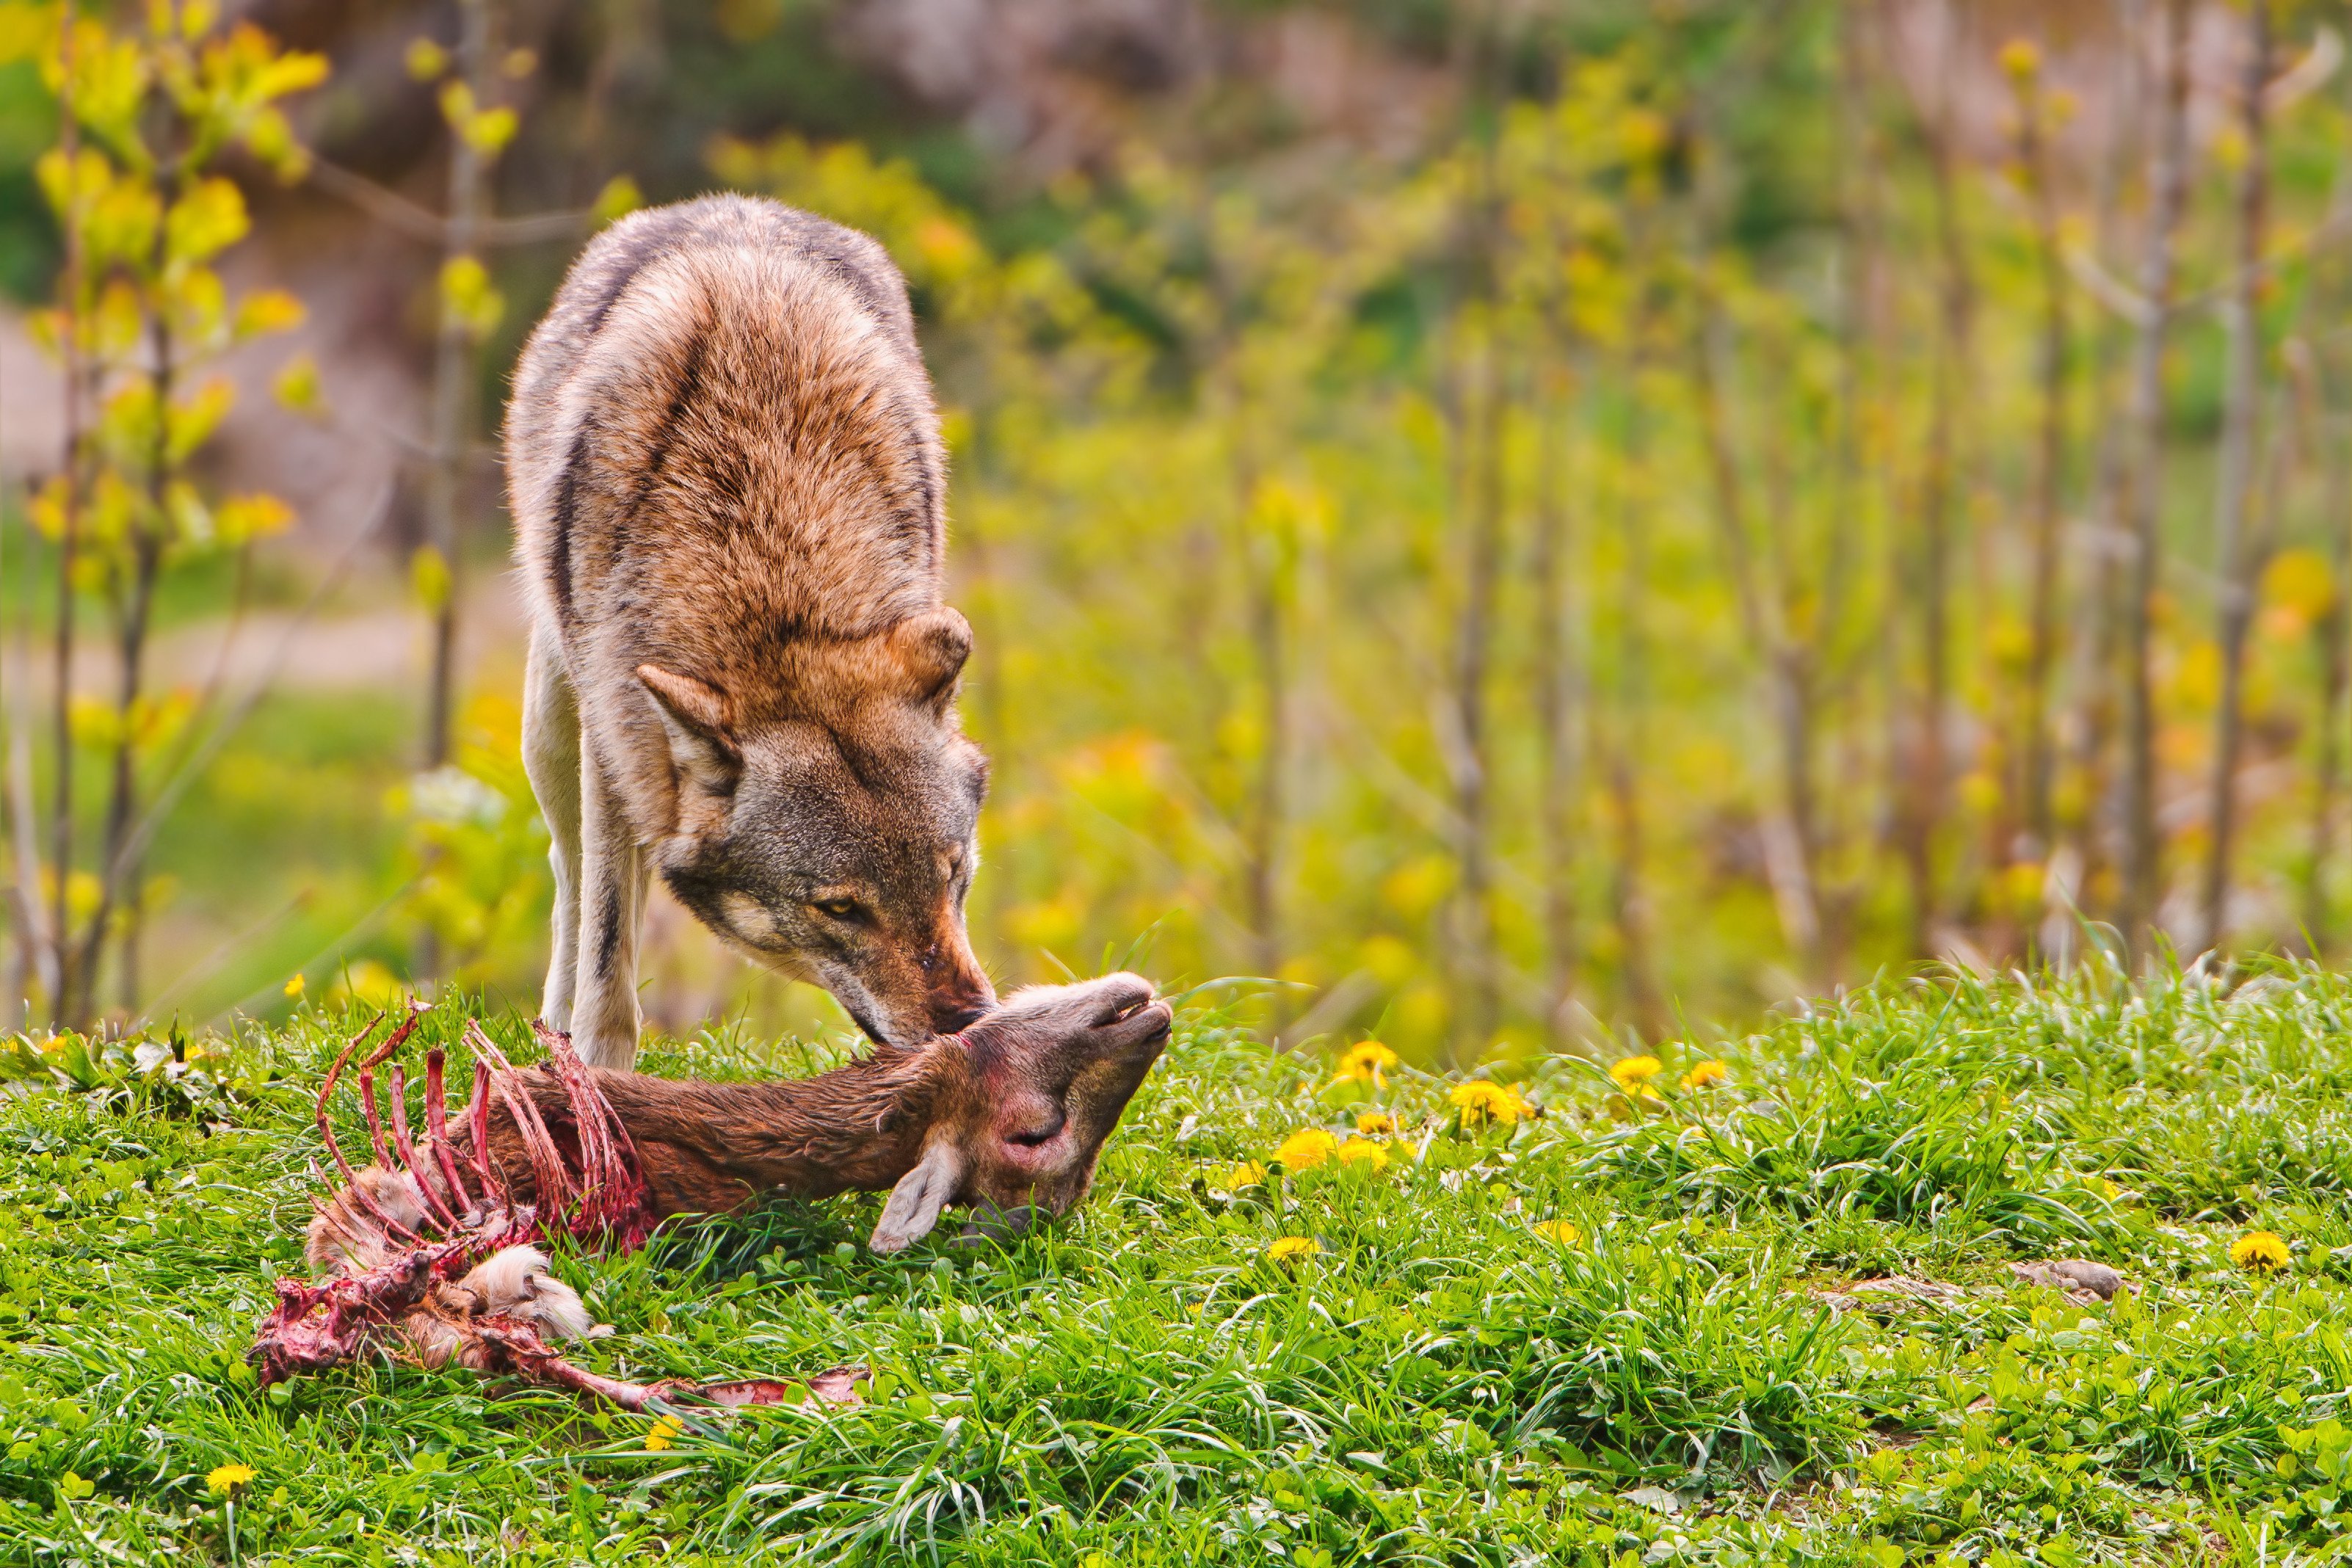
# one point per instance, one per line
(854, 262)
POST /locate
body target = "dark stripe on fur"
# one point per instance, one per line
(608, 939)
(927, 480)
(872, 783)
(690, 382)
(849, 257)
(567, 509)
(649, 243)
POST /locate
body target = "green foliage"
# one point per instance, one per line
(1222, 445)
(1443, 1375)
(478, 880)
(147, 113)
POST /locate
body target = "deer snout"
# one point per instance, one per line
(1127, 1016)
(1118, 997)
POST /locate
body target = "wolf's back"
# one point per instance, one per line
(722, 434)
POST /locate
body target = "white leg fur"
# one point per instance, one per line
(512, 1282)
(515, 1281)
(613, 876)
(550, 755)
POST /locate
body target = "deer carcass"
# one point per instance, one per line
(435, 1246)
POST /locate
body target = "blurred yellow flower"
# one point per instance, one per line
(228, 1480)
(665, 1433)
(2020, 60)
(1634, 1072)
(1365, 1061)
(1286, 1247)
(294, 988)
(1378, 1124)
(1559, 1230)
(369, 984)
(426, 60)
(1704, 1073)
(1365, 1153)
(1248, 1174)
(2261, 1250)
(1482, 1100)
(1305, 1149)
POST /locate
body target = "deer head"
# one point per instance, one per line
(1037, 1087)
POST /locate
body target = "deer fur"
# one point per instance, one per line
(1008, 1118)
(730, 498)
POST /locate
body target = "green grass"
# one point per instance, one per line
(1439, 1383)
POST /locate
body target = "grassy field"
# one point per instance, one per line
(1679, 1373)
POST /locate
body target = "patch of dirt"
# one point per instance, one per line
(1892, 1293)
(2083, 1280)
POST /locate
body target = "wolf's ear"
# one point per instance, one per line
(700, 722)
(929, 650)
(916, 1202)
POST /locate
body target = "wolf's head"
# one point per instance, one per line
(1040, 1083)
(832, 834)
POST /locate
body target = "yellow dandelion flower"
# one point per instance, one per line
(1636, 1072)
(1704, 1073)
(664, 1433)
(2019, 60)
(1305, 1149)
(1559, 1230)
(1248, 1174)
(228, 1480)
(1365, 1153)
(1365, 1061)
(294, 988)
(1286, 1247)
(1482, 1100)
(1378, 1124)
(2262, 1252)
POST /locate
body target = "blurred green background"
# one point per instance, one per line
(1521, 518)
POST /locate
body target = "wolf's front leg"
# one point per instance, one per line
(551, 756)
(613, 872)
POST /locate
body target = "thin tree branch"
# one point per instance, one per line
(398, 213)
(2169, 179)
(2237, 556)
(61, 805)
(159, 808)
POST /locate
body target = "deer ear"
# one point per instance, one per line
(929, 650)
(916, 1202)
(701, 725)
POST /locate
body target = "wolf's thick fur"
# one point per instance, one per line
(729, 491)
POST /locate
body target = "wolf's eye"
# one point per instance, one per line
(838, 909)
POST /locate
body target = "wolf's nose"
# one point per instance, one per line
(950, 1017)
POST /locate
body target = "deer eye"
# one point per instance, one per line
(838, 909)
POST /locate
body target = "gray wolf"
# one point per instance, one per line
(724, 464)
